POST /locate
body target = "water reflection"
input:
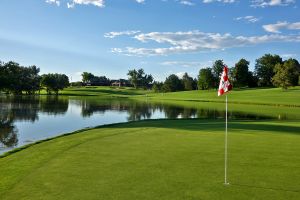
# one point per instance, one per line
(24, 119)
(8, 132)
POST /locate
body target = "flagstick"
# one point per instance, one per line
(225, 182)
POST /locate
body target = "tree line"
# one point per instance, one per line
(136, 78)
(17, 79)
(270, 71)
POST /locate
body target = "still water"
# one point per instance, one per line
(25, 120)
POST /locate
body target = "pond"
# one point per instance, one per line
(25, 120)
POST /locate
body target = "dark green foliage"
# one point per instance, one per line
(188, 82)
(217, 68)
(264, 69)
(76, 84)
(139, 79)
(241, 72)
(54, 82)
(157, 86)
(17, 79)
(172, 84)
(91, 79)
(206, 79)
(252, 80)
(87, 77)
(286, 74)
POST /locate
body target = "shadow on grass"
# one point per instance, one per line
(214, 125)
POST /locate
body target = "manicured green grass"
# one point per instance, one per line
(273, 96)
(160, 159)
(104, 91)
(270, 96)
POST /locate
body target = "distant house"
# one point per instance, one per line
(120, 83)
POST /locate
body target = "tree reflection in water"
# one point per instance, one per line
(25, 108)
(28, 108)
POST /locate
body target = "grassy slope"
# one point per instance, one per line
(163, 159)
(274, 96)
(104, 91)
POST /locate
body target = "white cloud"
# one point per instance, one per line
(180, 74)
(275, 28)
(57, 2)
(99, 3)
(266, 3)
(222, 1)
(187, 3)
(248, 18)
(197, 41)
(73, 3)
(116, 34)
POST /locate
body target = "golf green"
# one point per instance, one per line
(159, 159)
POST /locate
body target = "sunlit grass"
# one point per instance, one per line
(163, 159)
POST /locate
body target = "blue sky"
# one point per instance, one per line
(109, 37)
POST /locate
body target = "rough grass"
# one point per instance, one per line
(160, 159)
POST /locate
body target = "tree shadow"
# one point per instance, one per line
(214, 125)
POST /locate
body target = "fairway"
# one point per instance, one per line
(160, 159)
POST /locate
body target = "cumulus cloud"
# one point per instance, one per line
(197, 41)
(266, 3)
(98, 3)
(56, 2)
(116, 34)
(187, 3)
(275, 28)
(222, 1)
(248, 18)
(73, 3)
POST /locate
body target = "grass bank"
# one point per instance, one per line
(103, 91)
(270, 96)
(159, 159)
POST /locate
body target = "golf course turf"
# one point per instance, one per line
(160, 159)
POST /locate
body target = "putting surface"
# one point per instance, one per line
(160, 159)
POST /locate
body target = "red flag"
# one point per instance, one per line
(225, 85)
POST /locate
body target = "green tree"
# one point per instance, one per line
(157, 86)
(17, 79)
(87, 77)
(133, 77)
(217, 68)
(241, 72)
(187, 82)
(206, 79)
(3, 75)
(264, 68)
(30, 79)
(286, 74)
(172, 84)
(252, 80)
(54, 82)
(138, 78)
